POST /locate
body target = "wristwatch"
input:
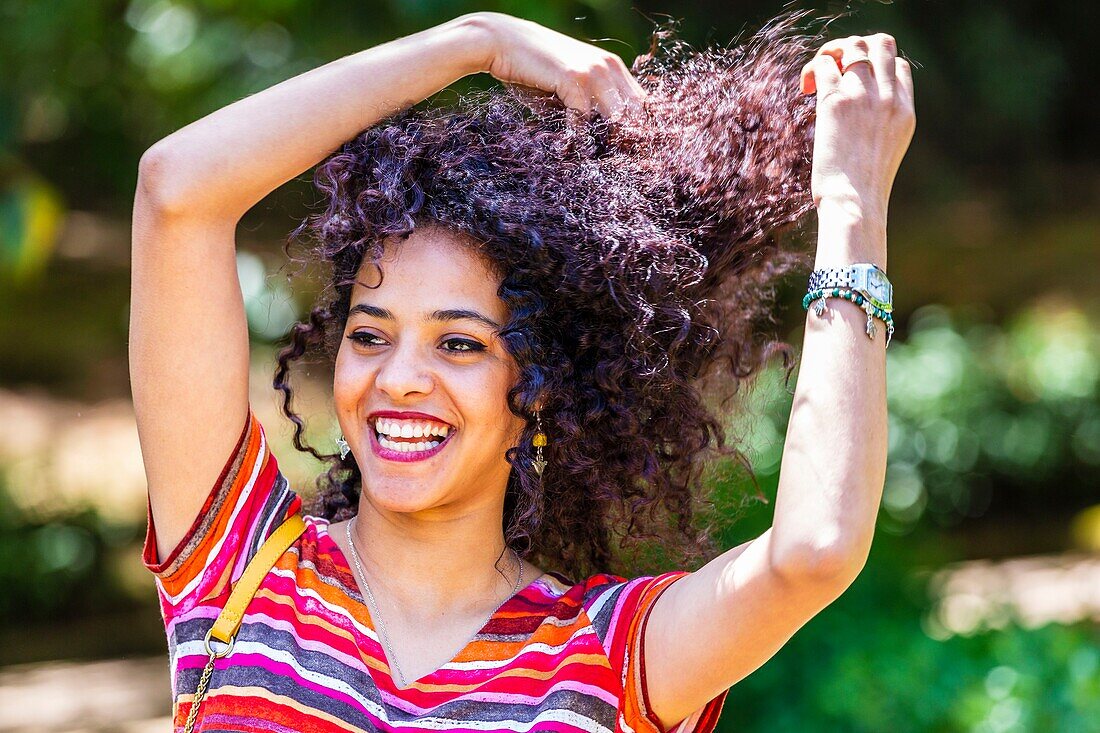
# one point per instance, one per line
(864, 278)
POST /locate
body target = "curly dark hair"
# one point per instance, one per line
(637, 259)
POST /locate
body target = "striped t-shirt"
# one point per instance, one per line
(556, 656)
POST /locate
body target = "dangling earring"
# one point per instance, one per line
(343, 446)
(538, 441)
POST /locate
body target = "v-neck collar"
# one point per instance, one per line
(361, 614)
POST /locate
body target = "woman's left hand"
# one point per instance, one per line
(865, 121)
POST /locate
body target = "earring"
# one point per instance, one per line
(538, 441)
(343, 446)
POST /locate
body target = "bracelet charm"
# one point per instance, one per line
(818, 296)
(864, 284)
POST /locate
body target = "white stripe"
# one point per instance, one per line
(567, 717)
(312, 645)
(538, 647)
(337, 610)
(277, 655)
(428, 722)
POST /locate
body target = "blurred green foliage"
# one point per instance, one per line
(867, 665)
(984, 418)
(59, 568)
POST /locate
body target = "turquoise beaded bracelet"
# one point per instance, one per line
(820, 294)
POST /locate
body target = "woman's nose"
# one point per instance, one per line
(404, 371)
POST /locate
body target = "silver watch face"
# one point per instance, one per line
(879, 287)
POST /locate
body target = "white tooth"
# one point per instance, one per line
(418, 431)
(406, 430)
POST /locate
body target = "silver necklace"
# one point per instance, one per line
(374, 604)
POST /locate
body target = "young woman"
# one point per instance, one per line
(527, 293)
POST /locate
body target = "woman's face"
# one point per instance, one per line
(424, 341)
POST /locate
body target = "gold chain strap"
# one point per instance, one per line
(225, 626)
(200, 693)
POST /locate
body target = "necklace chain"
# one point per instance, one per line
(374, 604)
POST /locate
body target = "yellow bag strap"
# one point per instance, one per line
(228, 622)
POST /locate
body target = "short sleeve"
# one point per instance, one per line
(245, 505)
(619, 611)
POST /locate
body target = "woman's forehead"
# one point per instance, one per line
(431, 269)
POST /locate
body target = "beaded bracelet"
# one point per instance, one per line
(820, 294)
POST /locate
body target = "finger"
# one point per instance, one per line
(573, 95)
(832, 49)
(633, 95)
(610, 103)
(636, 91)
(883, 52)
(904, 79)
(853, 48)
(826, 75)
(806, 78)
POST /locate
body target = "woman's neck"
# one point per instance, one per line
(438, 566)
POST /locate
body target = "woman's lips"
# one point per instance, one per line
(405, 457)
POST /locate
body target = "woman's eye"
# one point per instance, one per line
(362, 337)
(454, 345)
(466, 345)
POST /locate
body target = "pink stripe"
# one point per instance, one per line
(285, 670)
(231, 721)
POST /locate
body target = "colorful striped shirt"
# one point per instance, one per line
(556, 656)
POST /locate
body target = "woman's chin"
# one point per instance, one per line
(402, 494)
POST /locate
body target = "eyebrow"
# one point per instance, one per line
(437, 316)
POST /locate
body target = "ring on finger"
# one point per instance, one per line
(853, 62)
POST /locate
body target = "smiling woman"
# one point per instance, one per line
(527, 300)
(423, 334)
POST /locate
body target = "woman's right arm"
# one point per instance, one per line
(188, 351)
(188, 332)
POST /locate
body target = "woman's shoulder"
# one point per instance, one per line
(603, 595)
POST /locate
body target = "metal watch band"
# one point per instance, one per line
(831, 277)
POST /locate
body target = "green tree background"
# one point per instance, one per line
(994, 374)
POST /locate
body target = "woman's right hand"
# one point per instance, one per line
(582, 76)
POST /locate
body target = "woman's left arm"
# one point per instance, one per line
(715, 626)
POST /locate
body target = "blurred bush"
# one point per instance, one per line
(867, 665)
(985, 420)
(64, 567)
